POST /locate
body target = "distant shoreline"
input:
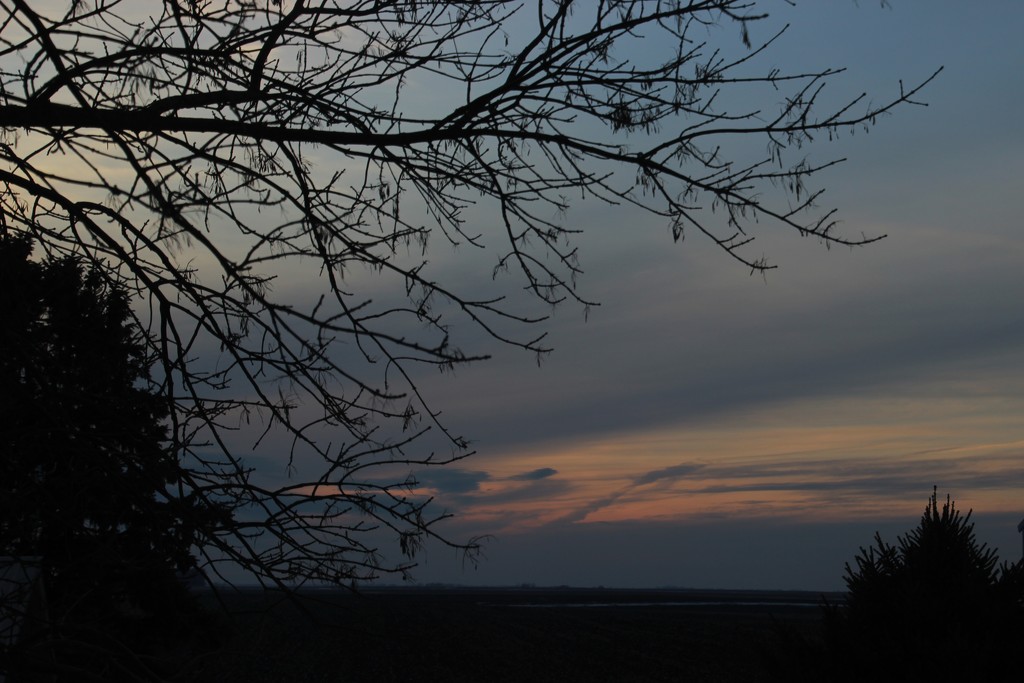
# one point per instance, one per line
(568, 596)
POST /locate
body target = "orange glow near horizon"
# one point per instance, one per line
(840, 459)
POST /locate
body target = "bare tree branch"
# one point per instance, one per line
(205, 154)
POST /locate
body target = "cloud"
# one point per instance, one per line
(579, 514)
(468, 490)
(535, 475)
(879, 478)
(537, 489)
(889, 317)
(674, 472)
(849, 484)
(451, 480)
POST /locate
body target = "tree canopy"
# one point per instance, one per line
(270, 180)
(89, 487)
(86, 468)
(937, 605)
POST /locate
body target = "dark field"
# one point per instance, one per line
(484, 635)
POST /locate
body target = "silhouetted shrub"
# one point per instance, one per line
(933, 607)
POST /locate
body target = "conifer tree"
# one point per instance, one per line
(88, 484)
(936, 606)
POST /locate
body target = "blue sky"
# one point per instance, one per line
(707, 428)
(704, 427)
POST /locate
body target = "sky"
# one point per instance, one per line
(708, 428)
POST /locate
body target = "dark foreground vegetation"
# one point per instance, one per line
(937, 605)
(509, 635)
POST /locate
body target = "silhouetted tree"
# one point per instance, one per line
(87, 482)
(933, 607)
(203, 152)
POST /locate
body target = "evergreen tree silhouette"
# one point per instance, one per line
(936, 606)
(87, 483)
